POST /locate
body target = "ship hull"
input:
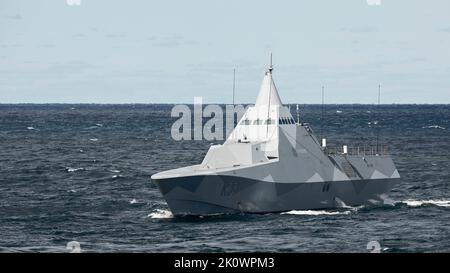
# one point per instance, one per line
(218, 194)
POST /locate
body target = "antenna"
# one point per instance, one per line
(234, 82)
(324, 140)
(378, 116)
(321, 118)
(271, 66)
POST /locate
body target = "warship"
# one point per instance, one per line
(273, 163)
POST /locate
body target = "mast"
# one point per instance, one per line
(378, 117)
(234, 82)
(270, 95)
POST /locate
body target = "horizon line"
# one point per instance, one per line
(170, 103)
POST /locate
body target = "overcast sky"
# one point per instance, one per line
(143, 51)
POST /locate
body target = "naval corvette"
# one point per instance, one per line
(273, 163)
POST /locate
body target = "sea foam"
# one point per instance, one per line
(70, 170)
(419, 203)
(160, 214)
(433, 127)
(315, 212)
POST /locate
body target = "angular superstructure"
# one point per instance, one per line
(270, 163)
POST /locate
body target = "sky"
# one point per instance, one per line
(145, 51)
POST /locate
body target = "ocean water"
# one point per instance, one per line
(82, 173)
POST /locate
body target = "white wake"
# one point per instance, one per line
(418, 203)
(315, 212)
(160, 214)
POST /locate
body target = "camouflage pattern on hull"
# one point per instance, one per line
(270, 163)
(206, 194)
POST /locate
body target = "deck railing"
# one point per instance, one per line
(364, 150)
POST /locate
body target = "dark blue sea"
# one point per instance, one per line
(82, 173)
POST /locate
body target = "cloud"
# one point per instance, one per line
(373, 2)
(69, 67)
(73, 2)
(447, 29)
(13, 17)
(174, 41)
(140, 73)
(34, 70)
(46, 45)
(11, 45)
(114, 36)
(360, 29)
(79, 35)
(170, 41)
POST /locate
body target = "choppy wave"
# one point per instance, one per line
(160, 214)
(70, 169)
(44, 170)
(96, 126)
(433, 127)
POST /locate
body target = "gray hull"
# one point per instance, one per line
(213, 194)
(270, 163)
